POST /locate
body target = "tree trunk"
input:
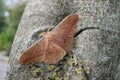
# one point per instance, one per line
(96, 54)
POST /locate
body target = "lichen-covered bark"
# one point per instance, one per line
(96, 54)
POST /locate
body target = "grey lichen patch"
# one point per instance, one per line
(59, 71)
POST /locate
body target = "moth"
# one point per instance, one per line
(54, 45)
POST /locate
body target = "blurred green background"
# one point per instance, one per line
(10, 16)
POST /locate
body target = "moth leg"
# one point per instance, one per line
(42, 34)
(49, 29)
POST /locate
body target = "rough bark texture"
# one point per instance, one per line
(96, 55)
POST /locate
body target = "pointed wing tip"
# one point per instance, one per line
(75, 16)
(26, 60)
(22, 62)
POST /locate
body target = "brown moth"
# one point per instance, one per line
(54, 45)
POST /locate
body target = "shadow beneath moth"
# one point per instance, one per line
(54, 45)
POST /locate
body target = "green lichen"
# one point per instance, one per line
(66, 76)
(78, 70)
(36, 78)
(54, 74)
(50, 67)
(70, 61)
(31, 79)
(57, 78)
(67, 73)
(81, 78)
(40, 79)
(87, 69)
(77, 43)
(35, 71)
(75, 60)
